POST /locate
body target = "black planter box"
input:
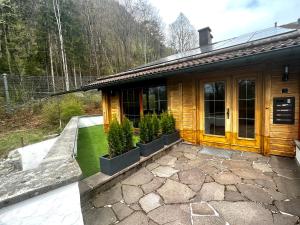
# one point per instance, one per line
(151, 147)
(120, 162)
(171, 138)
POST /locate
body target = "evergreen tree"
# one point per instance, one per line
(128, 134)
(115, 138)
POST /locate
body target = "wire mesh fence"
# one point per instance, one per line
(17, 90)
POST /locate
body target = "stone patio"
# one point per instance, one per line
(203, 186)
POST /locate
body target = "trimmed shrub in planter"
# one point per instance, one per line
(170, 134)
(171, 138)
(151, 147)
(128, 134)
(121, 151)
(156, 125)
(110, 166)
(146, 129)
(150, 141)
(116, 139)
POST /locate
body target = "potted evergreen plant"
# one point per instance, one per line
(170, 134)
(150, 135)
(122, 152)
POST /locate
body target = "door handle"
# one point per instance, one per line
(228, 114)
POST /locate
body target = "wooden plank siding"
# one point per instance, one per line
(281, 137)
(186, 102)
(105, 109)
(185, 97)
(111, 107)
(175, 102)
(189, 110)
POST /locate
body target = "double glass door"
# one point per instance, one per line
(229, 111)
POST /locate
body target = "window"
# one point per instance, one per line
(246, 108)
(155, 100)
(214, 103)
(131, 105)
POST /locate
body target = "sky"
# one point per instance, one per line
(230, 18)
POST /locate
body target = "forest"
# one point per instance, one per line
(53, 46)
(90, 37)
(48, 46)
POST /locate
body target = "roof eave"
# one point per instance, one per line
(289, 35)
(228, 62)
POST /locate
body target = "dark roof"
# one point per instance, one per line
(198, 57)
(294, 25)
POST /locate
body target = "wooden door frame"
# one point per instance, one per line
(231, 140)
(240, 143)
(210, 139)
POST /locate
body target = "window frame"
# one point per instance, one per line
(140, 91)
(215, 99)
(246, 112)
(133, 117)
(159, 99)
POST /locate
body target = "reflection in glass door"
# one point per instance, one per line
(246, 109)
(214, 104)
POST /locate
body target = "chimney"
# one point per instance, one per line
(205, 36)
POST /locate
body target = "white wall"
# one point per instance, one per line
(298, 155)
(58, 207)
(90, 121)
(33, 155)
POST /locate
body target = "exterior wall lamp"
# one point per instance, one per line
(285, 75)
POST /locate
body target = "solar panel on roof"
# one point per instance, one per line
(254, 36)
(270, 32)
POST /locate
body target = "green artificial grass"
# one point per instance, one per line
(91, 144)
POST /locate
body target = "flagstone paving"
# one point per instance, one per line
(194, 185)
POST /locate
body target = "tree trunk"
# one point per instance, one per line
(61, 40)
(105, 53)
(80, 77)
(75, 78)
(7, 50)
(92, 40)
(51, 63)
(145, 47)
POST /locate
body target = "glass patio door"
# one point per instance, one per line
(246, 108)
(246, 118)
(231, 114)
(214, 113)
(214, 104)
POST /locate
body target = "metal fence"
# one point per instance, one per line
(17, 90)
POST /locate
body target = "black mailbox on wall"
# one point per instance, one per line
(284, 110)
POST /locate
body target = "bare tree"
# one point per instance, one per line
(51, 62)
(5, 30)
(57, 14)
(150, 26)
(91, 21)
(75, 76)
(182, 35)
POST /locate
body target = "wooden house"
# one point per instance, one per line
(240, 94)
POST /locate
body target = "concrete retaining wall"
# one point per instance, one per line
(60, 206)
(298, 152)
(48, 192)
